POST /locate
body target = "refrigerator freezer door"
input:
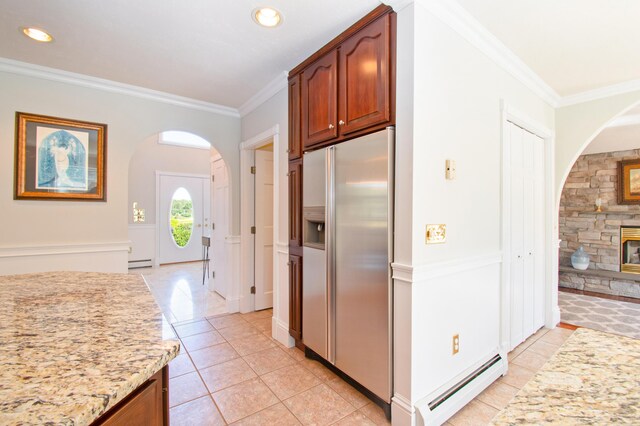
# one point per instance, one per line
(314, 283)
(363, 220)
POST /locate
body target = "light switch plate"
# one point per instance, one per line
(450, 170)
(436, 234)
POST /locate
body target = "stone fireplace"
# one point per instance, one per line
(615, 259)
(630, 249)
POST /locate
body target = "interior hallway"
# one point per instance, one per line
(179, 292)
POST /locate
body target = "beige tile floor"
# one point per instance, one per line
(179, 292)
(230, 371)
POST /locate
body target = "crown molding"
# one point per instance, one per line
(53, 74)
(397, 5)
(603, 92)
(273, 87)
(468, 27)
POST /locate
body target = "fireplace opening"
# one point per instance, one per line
(630, 249)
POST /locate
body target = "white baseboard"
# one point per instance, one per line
(402, 412)
(555, 317)
(233, 305)
(280, 332)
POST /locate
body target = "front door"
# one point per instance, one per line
(183, 217)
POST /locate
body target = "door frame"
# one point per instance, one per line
(509, 114)
(160, 173)
(247, 240)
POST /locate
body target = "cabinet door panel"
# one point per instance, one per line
(364, 78)
(295, 146)
(295, 297)
(295, 203)
(320, 100)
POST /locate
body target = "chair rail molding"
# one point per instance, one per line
(424, 272)
(57, 249)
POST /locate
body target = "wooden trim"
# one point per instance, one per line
(370, 17)
(567, 326)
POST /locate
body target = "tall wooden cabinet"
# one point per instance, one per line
(345, 90)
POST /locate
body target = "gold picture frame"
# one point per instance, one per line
(59, 159)
(629, 182)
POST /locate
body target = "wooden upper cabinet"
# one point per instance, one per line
(320, 100)
(364, 87)
(295, 145)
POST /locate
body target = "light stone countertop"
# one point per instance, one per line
(593, 379)
(74, 344)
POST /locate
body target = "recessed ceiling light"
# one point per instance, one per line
(267, 16)
(37, 34)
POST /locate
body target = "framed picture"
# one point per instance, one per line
(59, 159)
(629, 182)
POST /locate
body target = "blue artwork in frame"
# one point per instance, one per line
(59, 158)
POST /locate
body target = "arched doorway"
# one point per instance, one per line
(171, 182)
(594, 215)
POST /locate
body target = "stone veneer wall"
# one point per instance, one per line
(596, 176)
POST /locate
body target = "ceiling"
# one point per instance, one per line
(573, 45)
(622, 134)
(210, 50)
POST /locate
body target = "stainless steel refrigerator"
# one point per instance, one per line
(347, 251)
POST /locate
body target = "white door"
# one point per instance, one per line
(220, 225)
(527, 234)
(264, 229)
(183, 212)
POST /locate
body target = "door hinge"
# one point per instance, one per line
(213, 274)
(253, 170)
(213, 226)
(253, 289)
(213, 178)
(253, 229)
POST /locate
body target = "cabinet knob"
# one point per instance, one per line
(341, 122)
(288, 151)
(331, 126)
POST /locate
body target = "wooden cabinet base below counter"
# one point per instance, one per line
(146, 406)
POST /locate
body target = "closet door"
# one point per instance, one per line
(539, 242)
(527, 257)
(529, 235)
(517, 233)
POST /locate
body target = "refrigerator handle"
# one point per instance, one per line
(330, 254)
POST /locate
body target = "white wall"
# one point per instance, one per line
(46, 226)
(148, 158)
(269, 114)
(577, 125)
(452, 288)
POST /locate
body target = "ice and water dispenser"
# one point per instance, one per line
(313, 231)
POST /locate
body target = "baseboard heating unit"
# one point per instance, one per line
(436, 410)
(143, 263)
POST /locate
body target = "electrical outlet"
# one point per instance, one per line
(456, 344)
